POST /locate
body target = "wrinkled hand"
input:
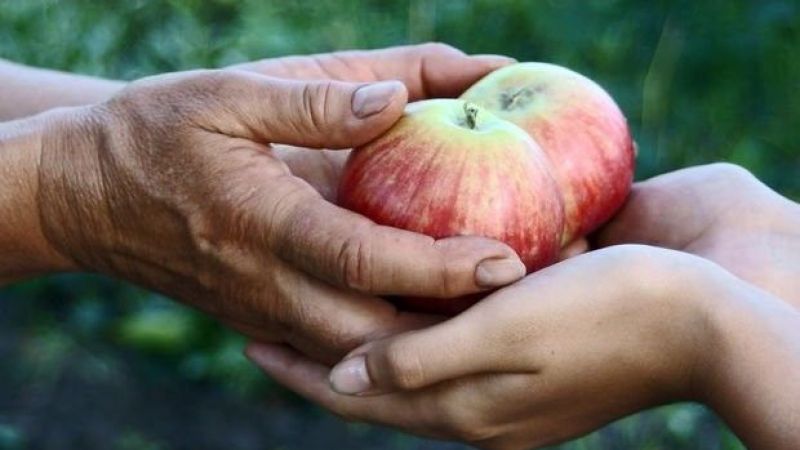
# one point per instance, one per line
(720, 212)
(564, 351)
(173, 184)
(430, 70)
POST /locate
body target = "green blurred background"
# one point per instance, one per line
(91, 363)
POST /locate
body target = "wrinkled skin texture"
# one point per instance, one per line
(173, 184)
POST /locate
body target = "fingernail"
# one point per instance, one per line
(495, 61)
(374, 98)
(498, 272)
(350, 376)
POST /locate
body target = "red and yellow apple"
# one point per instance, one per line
(579, 127)
(448, 168)
(533, 155)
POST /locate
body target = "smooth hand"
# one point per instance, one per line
(562, 352)
(173, 184)
(720, 212)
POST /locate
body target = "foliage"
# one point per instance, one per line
(699, 82)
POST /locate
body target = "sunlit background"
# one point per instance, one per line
(91, 363)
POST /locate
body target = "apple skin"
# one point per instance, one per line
(579, 127)
(433, 174)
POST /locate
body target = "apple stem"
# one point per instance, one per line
(471, 111)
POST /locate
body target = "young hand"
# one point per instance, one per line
(566, 350)
(720, 212)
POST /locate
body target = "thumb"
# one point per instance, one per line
(417, 359)
(316, 114)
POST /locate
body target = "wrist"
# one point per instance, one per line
(671, 307)
(750, 378)
(71, 186)
(708, 293)
(687, 337)
(24, 249)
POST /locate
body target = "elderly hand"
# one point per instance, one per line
(443, 74)
(173, 184)
(430, 70)
(571, 348)
(720, 212)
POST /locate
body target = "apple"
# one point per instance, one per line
(449, 168)
(534, 155)
(579, 127)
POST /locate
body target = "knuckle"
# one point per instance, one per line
(316, 104)
(637, 257)
(445, 275)
(306, 101)
(737, 194)
(649, 268)
(730, 173)
(634, 259)
(355, 262)
(448, 270)
(452, 265)
(403, 367)
(196, 94)
(212, 84)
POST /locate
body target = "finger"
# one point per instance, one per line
(317, 114)
(474, 342)
(325, 322)
(465, 411)
(299, 374)
(505, 332)
(310, 381)
(348, 250)
(320, 321)
(331, 242)
(428, 70)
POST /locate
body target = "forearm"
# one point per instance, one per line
(755, 382)
(24, 251)
(26, 91)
